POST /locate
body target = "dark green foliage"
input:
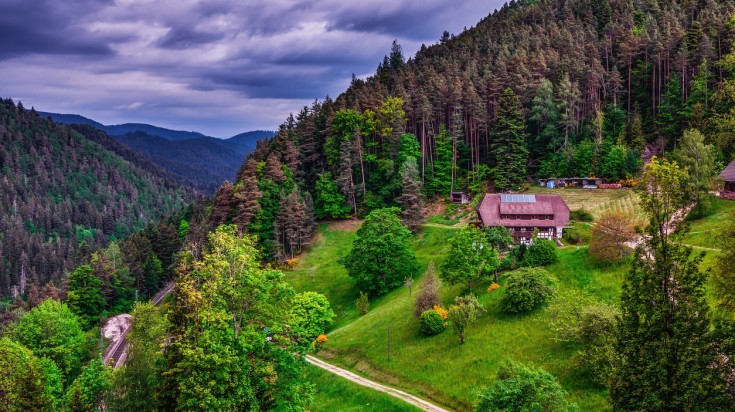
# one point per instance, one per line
(499, 237)
(431, 323)
(541, 253)
(85, 295)
(411, 198)
(521, 388)
(665, 346)
(58, 189)
(381, 257)
(527, 289)
(582, 215)
(508, 149)
(439, 180)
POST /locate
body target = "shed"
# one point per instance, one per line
(459, 197)
(728, 176)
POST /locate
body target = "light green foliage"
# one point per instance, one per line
(723, 276)
(527, 289)
(470, 258)
(135, 386)
(580, 320)
(310, 316)
(699, 160)
(85, 295)
(663, 191)
(508, 148)
(344, 125)
(463, 313)
(88, 390)
(227, 310)
(362, 303)
(52, 330)
(431, 323)
(26, 382)
(329, 202)
(582, 160)
(541, 253)
(499, 237)
(614, 166)
(521, 388)
(381, 257)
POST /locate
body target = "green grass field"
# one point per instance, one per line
(704, 233)
(334, 393)
(386, 345)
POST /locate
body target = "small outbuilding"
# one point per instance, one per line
(459, 197)
(728, 177)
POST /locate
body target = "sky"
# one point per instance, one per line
(219, 67)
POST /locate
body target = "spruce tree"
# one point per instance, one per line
(665, 349)
(412, 200)
(508, 147)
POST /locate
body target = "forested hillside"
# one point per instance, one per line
(64, 196)
(537, 89)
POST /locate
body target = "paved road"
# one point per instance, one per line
(406, 397)
(118, 352)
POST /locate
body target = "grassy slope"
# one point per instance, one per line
(438, 368)
(334, 393)
(594, 200)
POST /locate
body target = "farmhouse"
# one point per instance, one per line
(524, 214)
(728, 176)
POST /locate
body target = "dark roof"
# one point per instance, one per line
(728, 174)
(491, 208)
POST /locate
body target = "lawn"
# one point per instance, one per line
(334, 393)
(386, 345)
(704, 233)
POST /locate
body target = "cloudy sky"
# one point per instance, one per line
(220, 67)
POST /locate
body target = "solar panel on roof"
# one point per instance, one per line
(518, 198)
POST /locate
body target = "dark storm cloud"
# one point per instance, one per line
(218, 66)
(47, 28)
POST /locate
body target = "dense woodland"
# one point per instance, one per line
(537, 89)
(64, 196)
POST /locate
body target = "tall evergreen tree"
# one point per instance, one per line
(412, 200)
(664, 346)
(508, 147)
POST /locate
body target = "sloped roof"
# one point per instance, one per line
(490, 208)
(728, 174)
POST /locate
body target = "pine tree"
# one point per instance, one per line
(508, 148)
(412, 200)
(246, 197)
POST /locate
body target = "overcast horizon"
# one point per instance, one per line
(216, 67)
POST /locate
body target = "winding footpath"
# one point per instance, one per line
(406, 397)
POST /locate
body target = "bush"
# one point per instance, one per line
(576, 235)
(432, 323)
(524, 388)
(527, 289)
(541, 253)
(581, 215)
(428, 295)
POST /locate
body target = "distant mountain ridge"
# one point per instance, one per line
(193, 159)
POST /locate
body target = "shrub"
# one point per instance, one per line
(441, 311)
(362, 303)
(541, 253)
(527, 289)
(524, 388)
(432, 323)
(493, 286)
(582, 215)
(576, 235)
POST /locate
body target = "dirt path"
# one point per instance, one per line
(408, 398)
